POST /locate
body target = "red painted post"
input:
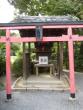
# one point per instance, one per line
(71, 64)
(8, 76)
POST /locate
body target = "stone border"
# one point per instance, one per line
(15, 82)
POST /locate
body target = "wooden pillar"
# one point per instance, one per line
(71, 64)
(24, 62)
(29, 59)
(60, 58)
(29, 50)
(29, 47)
(8, 64)
(27, 62)
(66, 49)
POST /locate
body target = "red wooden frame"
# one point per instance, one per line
(8, 71)
(70, 38)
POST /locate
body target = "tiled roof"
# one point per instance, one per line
(43, 20)
(40, 19)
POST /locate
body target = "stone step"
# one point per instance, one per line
(44, 82)
(42, 88)
(42, 85)
(59, 89)
(46, 86)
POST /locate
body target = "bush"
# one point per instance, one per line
(17, 67)
(2, 66)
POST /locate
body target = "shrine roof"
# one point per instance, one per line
(43, 20)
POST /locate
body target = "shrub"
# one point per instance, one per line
(17, 67)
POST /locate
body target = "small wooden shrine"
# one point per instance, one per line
(42, 48)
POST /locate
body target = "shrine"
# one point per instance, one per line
(43, 32)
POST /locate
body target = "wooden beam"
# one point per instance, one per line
(33, 39)
(45, 26)
(45, 39)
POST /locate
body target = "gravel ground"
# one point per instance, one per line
(44, 100)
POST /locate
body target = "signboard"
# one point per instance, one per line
(43, 60)
(39, 33)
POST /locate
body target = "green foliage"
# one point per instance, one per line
(1, 86)
(49, 7)
(54, 51)
(2, 55)
(80, 63)
(65, 56)
(14, 49)
(2, 65)
(17, 67)
(2, 33)
(80, 57)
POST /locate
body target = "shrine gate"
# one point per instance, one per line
(69, 38)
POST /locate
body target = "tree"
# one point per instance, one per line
(49, 7)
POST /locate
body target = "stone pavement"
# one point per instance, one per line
(42, 82)
(44, 100)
